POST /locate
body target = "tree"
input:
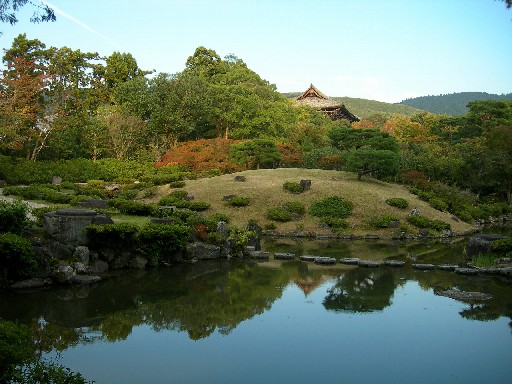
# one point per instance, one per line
(125, 131)
(204, 62)
(378, 163)
(121, 67)
(348, 138)
(255, 154)
(8, 9)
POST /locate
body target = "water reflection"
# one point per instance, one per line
(218, 296)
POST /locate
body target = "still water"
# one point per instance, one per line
(279, 322)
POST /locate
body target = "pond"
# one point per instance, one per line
(278, 322)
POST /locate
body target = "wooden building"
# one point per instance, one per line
(336, 110)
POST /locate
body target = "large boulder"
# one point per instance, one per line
(481, 244)
(68, 225)
(203, 251)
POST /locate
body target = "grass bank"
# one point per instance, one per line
(265, 189)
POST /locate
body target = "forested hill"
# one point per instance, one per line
(364, 108)
(451, 104)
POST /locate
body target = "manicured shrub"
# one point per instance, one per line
(217, 217)
(116, 236)
(419, 221)
(173, 201)
(294, 207)
(293, 187)
(335, 223)
(159, 241)
(438, 204)
(397, 202)
(502, 245)
(382, 221)
(129, 207)
(278, 214)
(424, 222)
(17, 256)
(13, 217)
(239, 201)
(198, 206)
(182, 195)
(331, 206)
(177, 184)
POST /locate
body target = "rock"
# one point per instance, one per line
(260, 255)
(490, 271)
(423, 267)
(250, 248)
(506, 271)
(98, 203)
(99, 266)
(394, 224)
(254, 239)
(325, 260)
(82, 254)
(240, 178)
(203, 251)
(447, 267)
(68, 225)
(307, 258)
(369, 263)
(36, 282)
(80, 268)
(56, 180)
(467, 271)
(481, 244)
(84, 279)
(306, 185)
(63, 273)
(464, 296)
(284, 256)
(222, 229)
(350, 260)
(394, 263)
(3, 183)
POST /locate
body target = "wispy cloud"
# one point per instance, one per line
(81, 24)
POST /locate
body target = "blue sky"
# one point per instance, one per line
(385, 50)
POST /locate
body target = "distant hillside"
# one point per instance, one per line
(364, 108)
(451, 104)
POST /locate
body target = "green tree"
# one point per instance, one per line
(378, 163)
(347, 138)
(42, 11)
(256, 154)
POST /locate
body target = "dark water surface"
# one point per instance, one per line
(280, 322)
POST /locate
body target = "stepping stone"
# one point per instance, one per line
(325, 260)
(447, 267)
(284, 256)
(260, 255)
(491, 270)
(308, 258)
(369, 263)
(394, 263)
(350, 260)
(467, 271)
(423, 267)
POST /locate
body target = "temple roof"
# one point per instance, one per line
(336, 110)
(316, 99)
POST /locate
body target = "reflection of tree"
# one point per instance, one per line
(218, 300)
(361, 291)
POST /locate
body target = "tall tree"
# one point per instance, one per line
(42, 11)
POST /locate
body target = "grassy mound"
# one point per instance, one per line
(265, 190)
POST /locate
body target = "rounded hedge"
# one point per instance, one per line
(331, 206)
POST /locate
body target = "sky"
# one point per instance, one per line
(384, 50)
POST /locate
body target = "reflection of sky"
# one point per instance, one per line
(420, 338)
